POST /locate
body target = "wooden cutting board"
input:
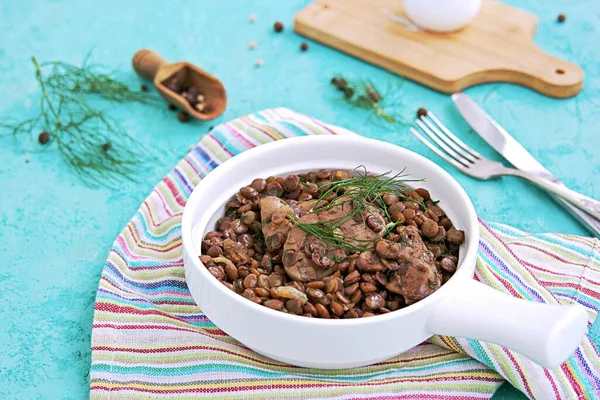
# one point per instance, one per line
(496, 47)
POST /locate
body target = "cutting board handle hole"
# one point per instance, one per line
(560, 71)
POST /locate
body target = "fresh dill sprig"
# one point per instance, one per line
(385, 105)
(329, 234)
(362, 194)
(95, 146)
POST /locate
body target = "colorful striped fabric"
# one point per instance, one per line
(150, 340)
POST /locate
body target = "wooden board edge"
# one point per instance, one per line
(444, 86)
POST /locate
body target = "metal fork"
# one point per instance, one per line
(467, 160)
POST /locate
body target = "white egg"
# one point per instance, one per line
(441, 15)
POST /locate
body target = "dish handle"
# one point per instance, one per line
(547, 334)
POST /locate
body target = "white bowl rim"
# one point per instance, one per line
(471, 228)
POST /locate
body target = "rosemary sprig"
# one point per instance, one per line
(363, 192)
(95, 146)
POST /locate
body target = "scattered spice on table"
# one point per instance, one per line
(182, 116)
(106, 146)
(172, 107)
(373, 94)
(561, 18)
(78, 127)
(338, 82)
(421, 112)
(44, 137)
(259, 62)
(365, 94)
(144, 88)
(252, 45)
(278, 27)
(304, 46)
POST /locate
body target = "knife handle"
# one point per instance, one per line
(592, 224)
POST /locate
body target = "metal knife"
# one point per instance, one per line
(514, 152)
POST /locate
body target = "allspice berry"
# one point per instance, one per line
(561, 18)
(182, 116)
(278, 27)
(44, 137)
(421, 112)
(304, 46)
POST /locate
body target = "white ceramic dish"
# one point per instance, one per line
(547, 334)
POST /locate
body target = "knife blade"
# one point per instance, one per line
(501, 141)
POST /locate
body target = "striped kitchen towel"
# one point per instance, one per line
(150, 340)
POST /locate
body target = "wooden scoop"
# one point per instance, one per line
(151, 66)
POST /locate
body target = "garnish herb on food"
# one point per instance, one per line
(362, 191)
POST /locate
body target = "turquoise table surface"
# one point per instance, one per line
(55, 233)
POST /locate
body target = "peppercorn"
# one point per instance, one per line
(341, 84)
(278, 27)
(304, 46)
(421, 112)
(173, 87)
(334, 81)
(44, 137)
(106, 147)
(348, 92)
(373, 95)
(561, 18)
(182, 116)
(189, 97)
(172, 107)
(144, 88)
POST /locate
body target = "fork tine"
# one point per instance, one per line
(437, 127)
(453, 136)
(442, 144)
(437, 151)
